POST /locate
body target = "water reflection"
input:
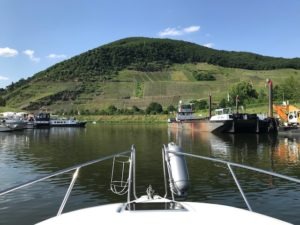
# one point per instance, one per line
(29, 154)
(288, 150)
(238, 147)
(13, 140)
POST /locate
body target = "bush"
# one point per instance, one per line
(154, 108)
(111, 110)
(198, 105)
(203, 76)
(171, 108)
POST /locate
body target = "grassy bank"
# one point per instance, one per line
(150, 119)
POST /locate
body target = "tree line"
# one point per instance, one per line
(246, 94)
(154, 108)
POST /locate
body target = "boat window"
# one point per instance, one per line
(227, 111)
(186, 106)
(219, 111)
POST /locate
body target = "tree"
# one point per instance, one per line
(2, 101)
(136, 109)
(111, 109)
(154, 108)
(198, 105)
(223, 103)
(262, 96)
(288, 90)
(171, 108)
(244, 91)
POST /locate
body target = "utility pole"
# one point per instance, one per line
(270, 91)
(209, 105)
(237, 99)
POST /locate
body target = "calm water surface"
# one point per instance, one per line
(33, 153)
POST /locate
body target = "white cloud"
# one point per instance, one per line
(8, 52)
(209, 45)
(178, 31)
(30, 54)
(3, 78)
(170, 32)
(56, 56)
(191, 29)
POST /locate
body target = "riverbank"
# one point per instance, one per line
(125, 118)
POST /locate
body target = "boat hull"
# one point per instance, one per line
(4, 128)
(189, 213)
(77, 124)
(197, 125)
(42, 120)
(235, 125)
(12, 125)
(61, 122)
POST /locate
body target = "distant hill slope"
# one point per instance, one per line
(130, 69)
(105, 61)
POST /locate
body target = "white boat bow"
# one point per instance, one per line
(187, 213)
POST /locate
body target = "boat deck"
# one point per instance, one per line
(185, 213)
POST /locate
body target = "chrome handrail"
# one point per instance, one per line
(239, 187)
(230, 164)
(64, 202)
(60, 172)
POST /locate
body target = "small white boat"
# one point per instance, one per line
(223, 114)
(4, 128)
(12, 124)
(185, 112)
(151, 208)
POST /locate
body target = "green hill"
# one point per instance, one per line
(137, 71)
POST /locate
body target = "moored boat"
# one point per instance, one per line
(243, 122)
(42, 120)
(12, 126)
(11, 122)
(223, 121)
(186, 119)
(63, 122)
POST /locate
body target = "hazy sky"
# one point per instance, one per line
(35, 34)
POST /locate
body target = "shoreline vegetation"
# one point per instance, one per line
(157, 118)
(139, 119)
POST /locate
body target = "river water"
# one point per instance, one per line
(33, 153)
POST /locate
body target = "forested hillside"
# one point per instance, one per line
(132, 66)
(150, 54)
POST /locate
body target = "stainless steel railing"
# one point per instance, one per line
(230, 165)
(74, 177)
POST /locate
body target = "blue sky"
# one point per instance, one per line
(35, 34)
